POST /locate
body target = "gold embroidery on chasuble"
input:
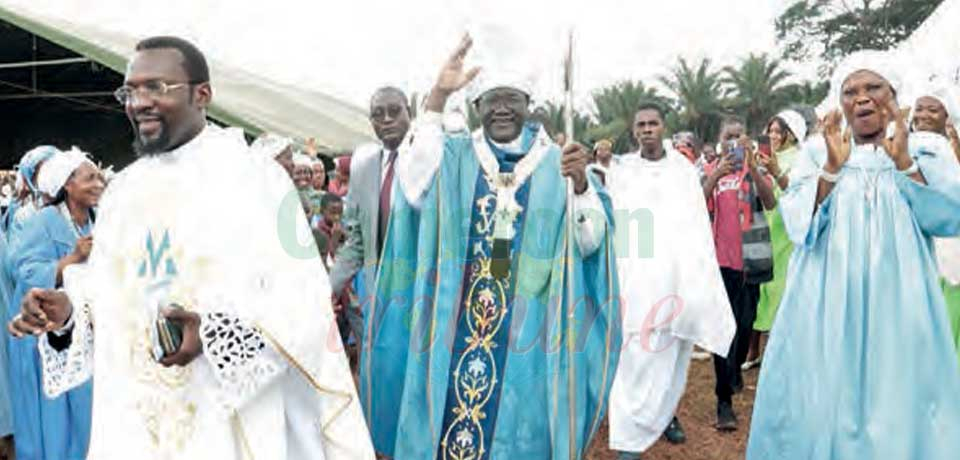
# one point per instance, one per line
(167, 415)
(476, 373)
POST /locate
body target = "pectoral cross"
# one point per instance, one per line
(503, 232)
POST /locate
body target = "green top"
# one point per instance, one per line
(772, 291)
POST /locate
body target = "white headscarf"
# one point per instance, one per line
(796, 123)
(941, 90)
(58, 169)
(879, 62)
(270, 145)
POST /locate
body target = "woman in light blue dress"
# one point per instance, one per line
(861, 362)
(57, 236)
(11, 224)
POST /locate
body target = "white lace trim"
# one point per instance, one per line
(69, 368)
(239, 357)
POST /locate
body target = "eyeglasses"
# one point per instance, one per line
(513, 100)
(154, 89)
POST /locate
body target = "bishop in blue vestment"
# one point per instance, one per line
(515, 327)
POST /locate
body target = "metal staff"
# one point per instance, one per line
(570, 303)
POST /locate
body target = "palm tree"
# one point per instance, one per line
(699, 96)
(552, 117)
(616, 106)
(807, 93)
(757, 87)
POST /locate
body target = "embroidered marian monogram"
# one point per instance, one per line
(155, 255)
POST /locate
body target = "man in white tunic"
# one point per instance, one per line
(670, 281)
(195, 222)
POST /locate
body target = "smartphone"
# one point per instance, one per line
(734, 149)
(763, 146)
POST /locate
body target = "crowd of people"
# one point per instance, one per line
(497, 294)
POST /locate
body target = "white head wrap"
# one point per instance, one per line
(796, 123)
(270, 145)
(882, 63)
(941, 90)
(58, 169)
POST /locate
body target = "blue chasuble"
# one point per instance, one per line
(506, 367)
(386, 324)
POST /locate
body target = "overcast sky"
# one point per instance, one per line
(349, 48)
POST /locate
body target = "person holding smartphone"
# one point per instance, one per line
(784, 135)
(735, 188)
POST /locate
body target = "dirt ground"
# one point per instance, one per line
(697, 413)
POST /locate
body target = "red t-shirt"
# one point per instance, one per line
(730, 214)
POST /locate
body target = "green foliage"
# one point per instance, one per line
(830, 30)
(699, 96)
(756, 89)
(758, 86)
(616, 106)
(552, 117)
(807, 93)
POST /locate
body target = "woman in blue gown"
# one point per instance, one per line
(861, 363)
(20, 210)
(57, 236)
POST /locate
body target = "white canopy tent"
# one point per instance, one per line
(303, 57)
(307, 69)
(244, 96)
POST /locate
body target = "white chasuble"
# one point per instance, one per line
(212, 228)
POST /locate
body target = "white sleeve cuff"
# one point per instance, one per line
(590, 220)
(419, 164)
(69, 368)
(240, 358)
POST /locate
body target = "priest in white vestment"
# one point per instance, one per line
(669, 280)
(198, 222)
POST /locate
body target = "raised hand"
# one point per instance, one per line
(838, 145)
(724, 165)
(749, 155)
(452, 77)
(954, 138)
(772, 164)
(897, 146)
(952, 132)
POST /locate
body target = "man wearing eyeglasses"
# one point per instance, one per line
(514, 340)
(211, 341)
